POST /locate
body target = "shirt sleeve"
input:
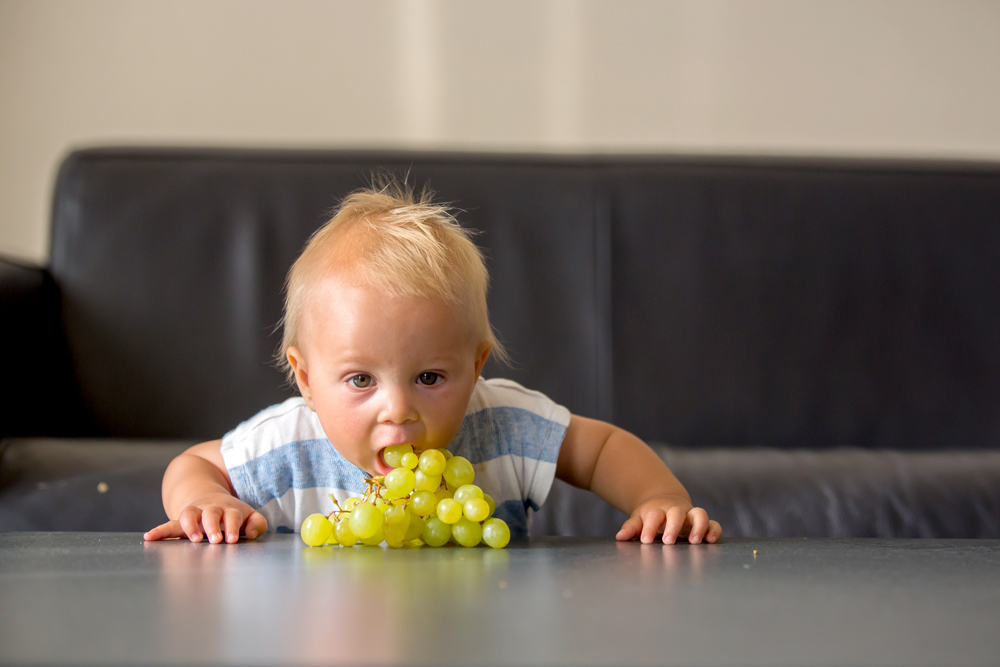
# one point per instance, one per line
(512, 436)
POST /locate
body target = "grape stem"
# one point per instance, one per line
(373, 491)
(336, 512)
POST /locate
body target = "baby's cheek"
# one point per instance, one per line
(443, 429)
(351, 425)
(351, 410)
(343, 422)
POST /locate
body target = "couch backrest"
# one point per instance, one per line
(693, 301)
(807, 305)
(171, 265)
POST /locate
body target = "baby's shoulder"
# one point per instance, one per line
(499, 394)
(507, 426)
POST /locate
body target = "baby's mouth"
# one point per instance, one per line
(382, 467)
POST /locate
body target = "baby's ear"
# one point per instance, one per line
(298, 363)
(482, 354)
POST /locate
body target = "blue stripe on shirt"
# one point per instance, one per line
(300, 465)
(515, 515)
(494, 432)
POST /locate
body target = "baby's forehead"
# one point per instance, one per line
(350, 293)
(341, 316)
(345, 265)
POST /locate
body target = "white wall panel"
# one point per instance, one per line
(855, 78)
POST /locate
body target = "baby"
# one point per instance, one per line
(386, 332)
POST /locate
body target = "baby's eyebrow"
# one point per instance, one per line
(445, 359)
(422, 365)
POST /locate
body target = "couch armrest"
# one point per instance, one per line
(36, 374)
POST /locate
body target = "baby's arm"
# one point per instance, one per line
(624, 471)
(198, 495)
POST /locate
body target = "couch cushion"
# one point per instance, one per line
(845, 492)
(103, 485)
(49, 484)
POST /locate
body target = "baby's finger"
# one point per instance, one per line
(629, 529)
(191, 523)
(256, 525)
(211, 517)
(233, 519)
(714, 532)
(675, 521)
(651, 522)
(164, 531)
(699, 525)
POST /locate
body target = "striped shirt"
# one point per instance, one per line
(282, 464)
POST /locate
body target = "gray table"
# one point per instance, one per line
(92, 598)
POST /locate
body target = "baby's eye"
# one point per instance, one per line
(361, 381)
(428, 378)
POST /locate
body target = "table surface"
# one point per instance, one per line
(109, 598)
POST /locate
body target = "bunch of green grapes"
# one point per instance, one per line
(427, 499)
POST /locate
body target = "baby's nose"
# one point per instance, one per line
(398, 408)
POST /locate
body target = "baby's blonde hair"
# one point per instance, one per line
(386, 237)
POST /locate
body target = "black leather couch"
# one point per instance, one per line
(812, 345)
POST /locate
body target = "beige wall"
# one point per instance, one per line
(868, 78)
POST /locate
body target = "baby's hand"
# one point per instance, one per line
(673, 515)
(214, 514)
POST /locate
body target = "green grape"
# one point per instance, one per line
(476, 509)
(381, 505)
(366, 520)
(446, 453)
(409, 460)
(467, 533)
(344, 535)
(374, 540)
(416, 527)
(394, 533)
(492, 503)
(496, 533)
(449, 511)
(466, 493)
(432, 463)
(316, 530)
(425, 482)
(436, 532)
(443, 493)
(423, 502)
(397, 516)
(393, 454)
(349, 504)
(458, 472)
(400, 482)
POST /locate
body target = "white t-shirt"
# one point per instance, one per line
(282, 464)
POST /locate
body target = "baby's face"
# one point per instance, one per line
(381, 370)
